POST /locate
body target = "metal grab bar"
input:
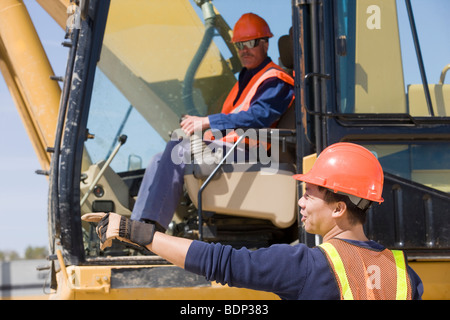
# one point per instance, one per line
(207, 181)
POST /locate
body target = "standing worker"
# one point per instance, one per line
(344, 181)
(262, 94)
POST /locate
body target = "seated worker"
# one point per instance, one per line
(262, 94)
(340, 187)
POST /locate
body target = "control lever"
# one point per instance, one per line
(122, 139)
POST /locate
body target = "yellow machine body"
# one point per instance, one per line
(27, 72)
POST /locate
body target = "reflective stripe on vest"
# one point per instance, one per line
(271, 70)
(340, 270)
(402, 288)
(269, 73)
(228, 105)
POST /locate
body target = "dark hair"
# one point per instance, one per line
(355, 214)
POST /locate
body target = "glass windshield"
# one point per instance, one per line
(379, 66)
(149, 73)
(426, 163)
(159, 61)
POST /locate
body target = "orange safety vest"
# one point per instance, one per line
(367, 274)
(271, 70)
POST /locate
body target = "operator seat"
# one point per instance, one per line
(254, 189)
(286, 50)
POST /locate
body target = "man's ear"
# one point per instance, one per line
(339, 209)
(266, 46)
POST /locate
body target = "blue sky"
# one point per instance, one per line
(23, 194)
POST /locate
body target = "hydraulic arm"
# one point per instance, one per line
(36, 97)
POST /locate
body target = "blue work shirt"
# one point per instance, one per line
(291, 272)
(270, 101)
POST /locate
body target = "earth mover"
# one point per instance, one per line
(135, 67)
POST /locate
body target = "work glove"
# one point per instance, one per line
(114, 226)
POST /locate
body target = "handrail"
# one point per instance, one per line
(419, 57)
(207, 181)
(443, 73)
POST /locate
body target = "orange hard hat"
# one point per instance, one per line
(250, 26)
(347, 168)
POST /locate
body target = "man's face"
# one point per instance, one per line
(251, 58)
(316, 213)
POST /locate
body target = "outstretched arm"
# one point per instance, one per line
(113, 226)
(258, 269)
(173, 249)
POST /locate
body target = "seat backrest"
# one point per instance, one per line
(286, 50)
(287, 119)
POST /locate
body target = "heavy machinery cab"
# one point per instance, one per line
(135, 80)
(135, 68)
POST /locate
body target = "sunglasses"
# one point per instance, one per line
(250, 44)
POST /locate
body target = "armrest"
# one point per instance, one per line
(269, 134)
(256, 133)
